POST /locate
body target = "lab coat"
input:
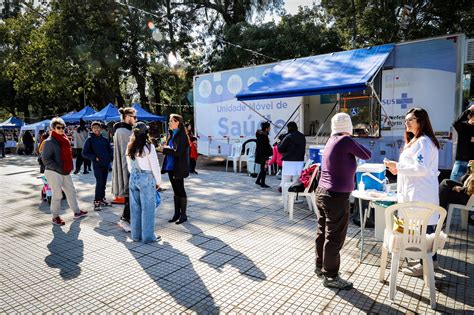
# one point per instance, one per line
(417, 178)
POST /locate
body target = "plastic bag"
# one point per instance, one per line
(157, 198)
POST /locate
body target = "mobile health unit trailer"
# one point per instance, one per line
(375, 85)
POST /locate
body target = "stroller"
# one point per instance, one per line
(46, 192)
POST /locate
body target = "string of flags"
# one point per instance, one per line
(170, 105)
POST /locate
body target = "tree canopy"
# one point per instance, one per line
(59, 57)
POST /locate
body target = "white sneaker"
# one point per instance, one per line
(412, 263)
(417, 270)
(124, 225)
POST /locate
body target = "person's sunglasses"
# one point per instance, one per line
(410, 119)
(60, 127)
(134, 117)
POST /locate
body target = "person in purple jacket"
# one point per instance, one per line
(332, 199)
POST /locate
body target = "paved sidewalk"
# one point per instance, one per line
(237, 253)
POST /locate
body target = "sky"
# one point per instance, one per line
(291, 7)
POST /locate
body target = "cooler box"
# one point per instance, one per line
(315, 153)
(372, 174)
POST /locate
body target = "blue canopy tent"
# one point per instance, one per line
(12, 123)
(63, 117)
(333, 73)
(108, 113)
(143, 115)
(75, 117)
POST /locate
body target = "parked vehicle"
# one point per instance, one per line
(428, 73)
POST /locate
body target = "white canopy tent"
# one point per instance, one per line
(36, 128)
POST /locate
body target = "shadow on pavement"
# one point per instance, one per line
(169, 268)
(67, 251)
(218, 254)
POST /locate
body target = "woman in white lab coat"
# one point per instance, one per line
(417, 170)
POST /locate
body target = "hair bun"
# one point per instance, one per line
(121, 110)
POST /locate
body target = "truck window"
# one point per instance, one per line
(365, 114)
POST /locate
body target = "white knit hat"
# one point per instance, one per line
(341, 122)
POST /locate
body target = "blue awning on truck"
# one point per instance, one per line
(333, 73)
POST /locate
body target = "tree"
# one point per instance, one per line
(303, 34)
(370, 22)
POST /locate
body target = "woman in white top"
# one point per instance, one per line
(417, 169)
(145, 179)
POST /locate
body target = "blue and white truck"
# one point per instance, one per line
(375, 85)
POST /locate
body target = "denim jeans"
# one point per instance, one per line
(100, 174)
(142, 187)
(459, 169)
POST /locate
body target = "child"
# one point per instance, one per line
(145, 179)
(97, 149)
(193, 155)
(276, 157)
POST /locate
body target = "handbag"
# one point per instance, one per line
(398, 225)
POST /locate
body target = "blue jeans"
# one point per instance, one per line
(142, 187)
(459, 169)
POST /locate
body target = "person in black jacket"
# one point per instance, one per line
(464, 126)
(263, 152)
(97, 149)
(292, 148)
(29, 142)
(176, 164)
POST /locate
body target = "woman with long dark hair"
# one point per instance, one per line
(176, 164)
(145, 179)
(417, 170)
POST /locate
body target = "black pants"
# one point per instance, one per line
(126, 210)
(87, 164)
(100, 174)
(2, 148)
(192, 165)
(262, 175)
(447, 195)
(333, 219)
(177, 184)
(79, 161)
(29, 149)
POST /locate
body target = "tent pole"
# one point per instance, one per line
(259, 114)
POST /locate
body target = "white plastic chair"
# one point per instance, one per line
(234, 156)
(249, 155)
(465, 209)
(412, 243)
(310, 196)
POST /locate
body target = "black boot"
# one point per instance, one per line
(262, 176)
(176, 210)
(183, 202)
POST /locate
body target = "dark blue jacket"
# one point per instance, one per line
(293, 146)
(97, 147)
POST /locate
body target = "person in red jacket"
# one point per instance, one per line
(193, 155)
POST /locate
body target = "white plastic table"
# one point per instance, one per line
(372, 195)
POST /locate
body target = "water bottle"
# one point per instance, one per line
(361, 185)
